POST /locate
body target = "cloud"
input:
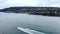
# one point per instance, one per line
(47, 3)
(9, 3)
(22, 2)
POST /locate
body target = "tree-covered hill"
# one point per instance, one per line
(34, 10)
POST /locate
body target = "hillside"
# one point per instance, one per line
(54, 11)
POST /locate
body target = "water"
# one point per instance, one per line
(10, 21)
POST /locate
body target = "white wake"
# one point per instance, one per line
(29, 31)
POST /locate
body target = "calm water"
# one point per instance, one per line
(10, 21)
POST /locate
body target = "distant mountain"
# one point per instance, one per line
(30, 8)
(1, 10)
(34, 10)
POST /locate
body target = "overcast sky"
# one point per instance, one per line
(47, 3)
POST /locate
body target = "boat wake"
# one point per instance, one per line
(29, 31)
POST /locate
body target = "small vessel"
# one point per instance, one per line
(29, 31)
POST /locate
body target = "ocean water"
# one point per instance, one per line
(46, 24)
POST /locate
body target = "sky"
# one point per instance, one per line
(39, 3)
